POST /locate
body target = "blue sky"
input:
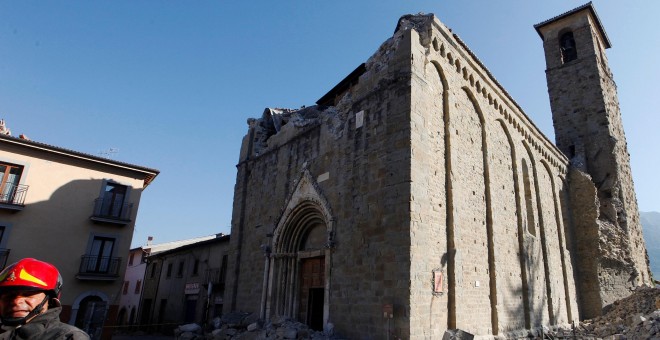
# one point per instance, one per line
(171, 84)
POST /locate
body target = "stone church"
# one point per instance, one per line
(417, 196)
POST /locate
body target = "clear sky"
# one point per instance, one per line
(170, 84)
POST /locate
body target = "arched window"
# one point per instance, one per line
(567, 47)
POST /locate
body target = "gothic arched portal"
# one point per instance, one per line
(297, 275)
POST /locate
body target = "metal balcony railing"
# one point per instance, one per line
(13, 194)
(216, 276)
(99, 266)
(117, 210)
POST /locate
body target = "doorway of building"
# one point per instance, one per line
(91, 316)
(315, 309)
(312, 284)
(121, 317)
(190, 309)
(146, 312)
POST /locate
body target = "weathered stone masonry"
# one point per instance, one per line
(416, 185)
(589, 130)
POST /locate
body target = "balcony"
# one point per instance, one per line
(112, 211)
(12, 196)
(103, 268)
(4, 254)
(216, 276)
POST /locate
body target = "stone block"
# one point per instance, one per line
(457, 334)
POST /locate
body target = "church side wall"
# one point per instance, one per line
(487, 208)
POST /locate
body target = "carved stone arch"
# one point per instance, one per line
(530, 189)
(297, 271)
(488, 209)
(450, 223)
(305, 204)
(441, 74)
(477, 109)
(548, 311)
(519, 196)
(561, 240)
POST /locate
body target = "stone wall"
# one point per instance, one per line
(487, 200)
(589, 130)
(356, 157)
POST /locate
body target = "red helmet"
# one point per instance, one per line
(31, 274)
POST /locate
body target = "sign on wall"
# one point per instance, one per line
(192, 288)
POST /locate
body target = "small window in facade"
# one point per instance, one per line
(223, 269)
(130, 259)
(112, 202)
(138, 285)
(169, 270)
(195, 271)
(571, 151)
(125, 288)
(99, 259)
(10, 176)
(153, 270)
(179, 271)
(567, 47)
(4, 252)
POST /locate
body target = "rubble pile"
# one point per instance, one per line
(246, 326)
(635, 317)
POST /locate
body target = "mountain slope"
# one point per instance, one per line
(651, 230)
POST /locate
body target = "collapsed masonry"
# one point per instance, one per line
(417, 196)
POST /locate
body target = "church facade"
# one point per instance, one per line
(417, 196)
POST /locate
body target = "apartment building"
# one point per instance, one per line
(185, 284)
(76, 211)
(131, 294)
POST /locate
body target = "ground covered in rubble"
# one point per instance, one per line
(635, 317)
(632, 318)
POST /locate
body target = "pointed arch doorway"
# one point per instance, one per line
(312, 279)
(297, 270)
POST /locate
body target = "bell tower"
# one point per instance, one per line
(611, 253)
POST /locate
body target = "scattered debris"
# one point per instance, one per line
(631, 318)
(246, 326)
(635, 317)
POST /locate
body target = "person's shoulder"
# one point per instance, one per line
(74, 333)
(63, 331)
(77, 334)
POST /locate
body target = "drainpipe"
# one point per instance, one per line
(209, 289)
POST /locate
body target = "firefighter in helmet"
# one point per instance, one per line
(29, 303)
